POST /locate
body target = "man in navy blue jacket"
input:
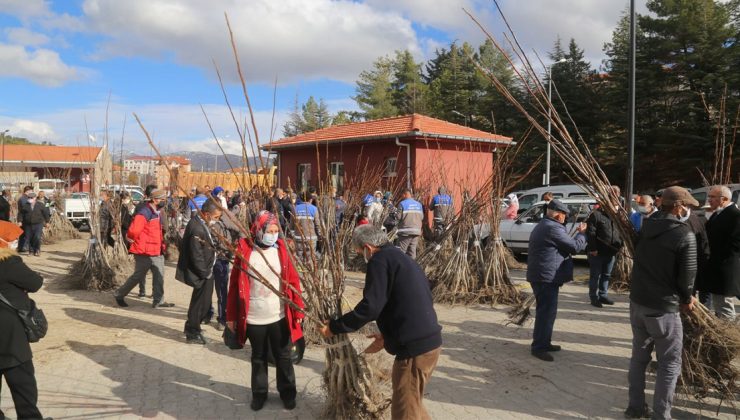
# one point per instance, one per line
(549, 265)
(397, 296)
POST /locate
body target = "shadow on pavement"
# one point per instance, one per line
(150, 387)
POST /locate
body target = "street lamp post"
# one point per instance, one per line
(549, 114)
(465, 117)
(2, 136)
(631, 103)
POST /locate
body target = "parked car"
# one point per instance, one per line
(77, 209)
(529, 197)
(515, 233)
(137, 194)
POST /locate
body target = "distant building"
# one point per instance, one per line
(142, 165)
(82, 168)
(176, 164)
(413, 151)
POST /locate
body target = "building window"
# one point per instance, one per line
(336, 175)
(390, 167)
(304, 176)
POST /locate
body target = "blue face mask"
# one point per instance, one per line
(269, 239)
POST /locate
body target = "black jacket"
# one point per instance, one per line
(16, 281)
(197, 254)
(39, 213)
(397, 295)
(723, 268)
(697, 226)
(602, 234)
(664, 264)
(106, 218)
(4, 209)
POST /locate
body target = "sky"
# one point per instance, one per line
(74, 72)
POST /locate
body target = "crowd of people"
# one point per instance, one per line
(214, 235)
(677, 256)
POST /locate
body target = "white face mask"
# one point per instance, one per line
(212, 222)
(269, 239)
(642, 209)
(685, 218)
(126, 200)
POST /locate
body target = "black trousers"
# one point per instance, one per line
(22, 384)
(274, 338)
(200, 304)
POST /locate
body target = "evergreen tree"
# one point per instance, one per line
(408, 88)
(312, 116)
(374, 90)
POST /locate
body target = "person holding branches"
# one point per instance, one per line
(255, 312)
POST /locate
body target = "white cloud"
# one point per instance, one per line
(36, 130)
(537, 23)
(173, 127)
(291, 39)
(41, 65)
(26, 37)
(24, 8)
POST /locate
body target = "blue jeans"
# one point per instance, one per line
(661, 332)
(546, 295)
(600, 268)
(221, 276)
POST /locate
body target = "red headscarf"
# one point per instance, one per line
(261, 222)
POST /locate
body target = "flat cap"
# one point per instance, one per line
(558, 206)
(673, 194)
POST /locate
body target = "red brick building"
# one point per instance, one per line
(411, 150)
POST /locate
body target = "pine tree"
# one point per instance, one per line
(408, 88)
(312, 116)
(374, 90)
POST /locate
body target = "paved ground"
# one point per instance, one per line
(100, 361)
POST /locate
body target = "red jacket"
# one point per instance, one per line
(145, 233)
(237, 301)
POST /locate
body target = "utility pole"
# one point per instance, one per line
(2, 135)
(631, 128)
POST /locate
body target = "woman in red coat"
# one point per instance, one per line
(254, 312)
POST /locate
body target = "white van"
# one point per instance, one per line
(529, 197)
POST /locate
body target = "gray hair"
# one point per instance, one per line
(368, 235)
(647, 199)
(723, 191)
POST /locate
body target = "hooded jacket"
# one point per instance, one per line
(664, 264)
(146, 233)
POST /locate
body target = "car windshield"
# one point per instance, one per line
(526, 201)
(533, 215)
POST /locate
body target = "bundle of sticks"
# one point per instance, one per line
(59, 229)
(710, 346)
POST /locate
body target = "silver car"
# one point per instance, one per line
(515, 233)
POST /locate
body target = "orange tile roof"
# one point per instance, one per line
(180, 160)
(49, 154)
(402, 126)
